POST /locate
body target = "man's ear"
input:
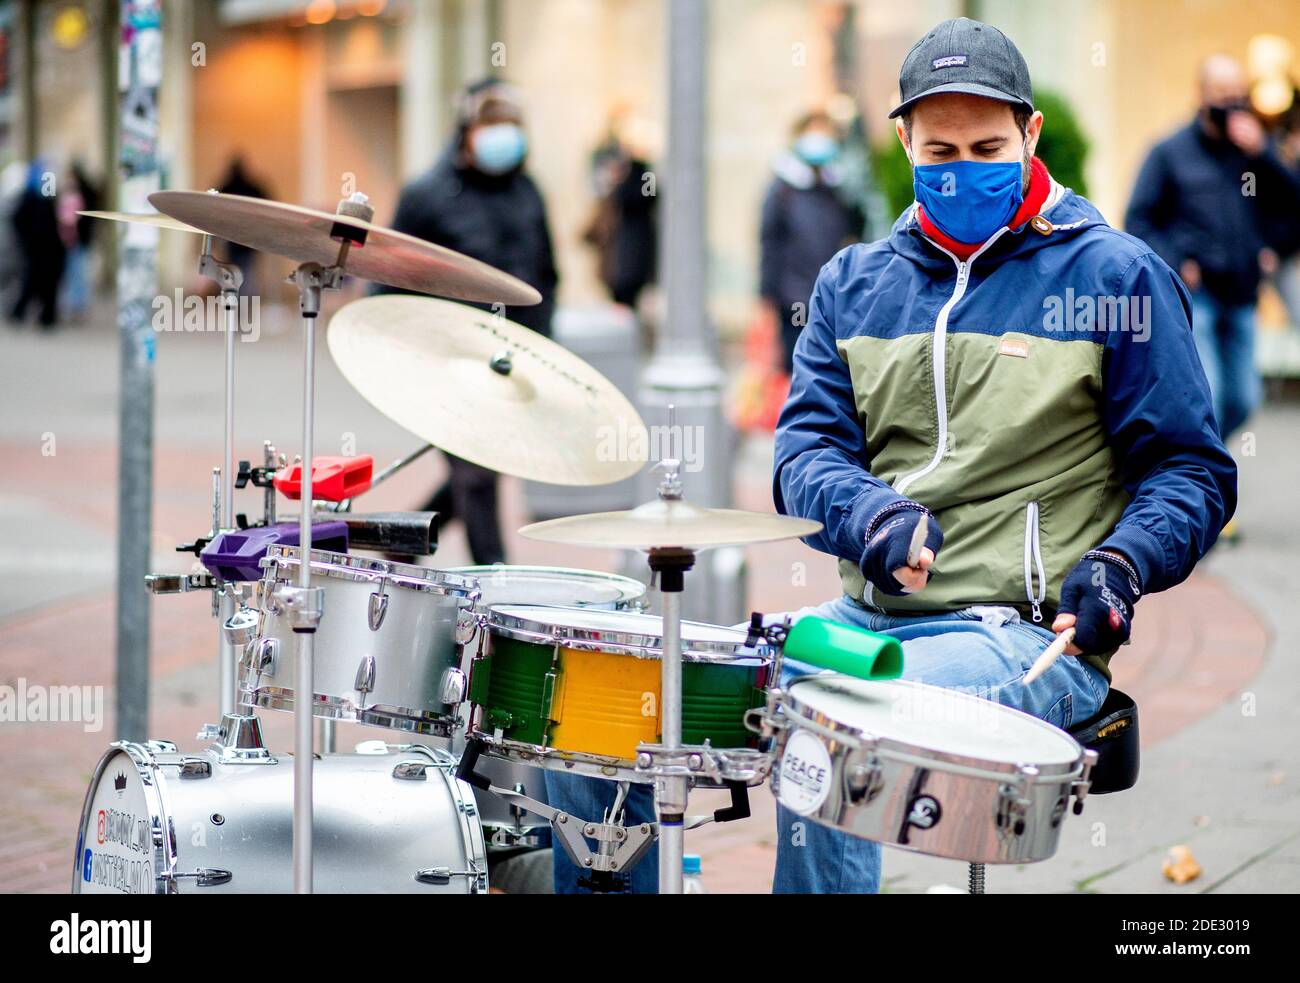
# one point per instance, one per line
(1033, 131)
(901, 130)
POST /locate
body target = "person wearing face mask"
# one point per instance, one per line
(805, 220)
(1064, 454)
(1207, 199)
(478, 200)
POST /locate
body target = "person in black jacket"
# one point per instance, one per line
(36, 230)
(478, 200)
(1207, 199)
(805, 222)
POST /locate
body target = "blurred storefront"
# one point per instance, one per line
(321, 96)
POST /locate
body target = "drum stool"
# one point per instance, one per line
(1113, 733)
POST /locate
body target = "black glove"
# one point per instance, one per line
(1100, 592)
(889, 534)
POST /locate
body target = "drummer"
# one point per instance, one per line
(1067, 462)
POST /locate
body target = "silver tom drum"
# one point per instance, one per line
(926, 769)
(392, 820)
(388, 647)
(555, 586)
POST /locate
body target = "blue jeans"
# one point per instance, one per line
(1225, 340)
(983, 651)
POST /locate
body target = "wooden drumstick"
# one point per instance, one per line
(1052, 653)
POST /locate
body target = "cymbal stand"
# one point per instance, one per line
(302, 602)
(671, 791)
(228, 278)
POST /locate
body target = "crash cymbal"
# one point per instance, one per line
(303, 235)
(668, 523)
(145, 218)
(487, 390)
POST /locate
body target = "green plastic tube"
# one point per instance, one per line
(843, 648)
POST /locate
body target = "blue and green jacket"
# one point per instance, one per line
(1042, 398)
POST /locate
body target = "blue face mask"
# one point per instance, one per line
(969, 200)
(816, 149)
(499, 148)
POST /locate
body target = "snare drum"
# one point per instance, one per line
(567, 686)
(391, 821)
(388, 648)
(555, 586)
(927, 769)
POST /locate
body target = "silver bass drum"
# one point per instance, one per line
(389, 819)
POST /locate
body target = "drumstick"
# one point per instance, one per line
(1052, 653)
(919, 535)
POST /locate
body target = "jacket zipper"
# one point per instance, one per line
(939, 359)
(1034, 554)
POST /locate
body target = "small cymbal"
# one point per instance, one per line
(145, 218)
(303, 235)
(667, 523)
(487, 390)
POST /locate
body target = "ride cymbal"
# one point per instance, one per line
(304, 235)
(666, 523)
(487, 390)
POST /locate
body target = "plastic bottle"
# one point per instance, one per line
(691, 880)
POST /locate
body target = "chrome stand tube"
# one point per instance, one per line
(304, 677)
(225, 651)
(671, 792)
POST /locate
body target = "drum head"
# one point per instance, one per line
(115, 852)
(931, 719)
(622, 631)
(552, 586)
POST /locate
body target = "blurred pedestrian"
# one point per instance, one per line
(77, 194)
(238, 181)
(478, 200)
(13, 179)
(623, 229)
(36, 229)
(1203, 201)
(806, 220)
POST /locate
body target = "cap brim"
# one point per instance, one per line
(965, 88)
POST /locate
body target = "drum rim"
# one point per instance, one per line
(406, 720)
(643, 646)
(625, 584)
(346, 566)
(549, 758)
(818, 719)
(145, 759)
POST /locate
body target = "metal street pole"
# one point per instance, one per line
(137, 284)
(684, 371)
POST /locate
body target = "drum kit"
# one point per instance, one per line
(502, 673)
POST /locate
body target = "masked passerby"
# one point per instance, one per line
(479, 200)
(1205, 200)
(36, 230)
(805, 221)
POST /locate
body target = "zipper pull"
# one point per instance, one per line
(962, 270)
(1038, 612)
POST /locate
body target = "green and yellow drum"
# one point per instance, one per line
(565, 686)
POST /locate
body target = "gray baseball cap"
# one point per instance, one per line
(963, 55)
